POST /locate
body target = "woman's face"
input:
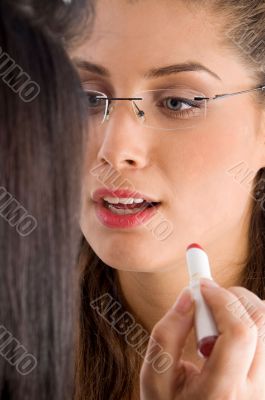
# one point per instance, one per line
(186, 169)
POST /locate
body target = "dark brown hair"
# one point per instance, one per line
(67, 21)
(108, 368)
(41, 144)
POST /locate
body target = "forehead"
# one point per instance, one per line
(149, 28)
(135, 36)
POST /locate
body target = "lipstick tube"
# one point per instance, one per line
(205, 328)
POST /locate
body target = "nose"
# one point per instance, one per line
(124, 141)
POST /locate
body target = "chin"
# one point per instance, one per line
(125, 258)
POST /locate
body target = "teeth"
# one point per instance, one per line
(123, 211)
(116, 200)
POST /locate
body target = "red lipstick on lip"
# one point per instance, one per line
(108, 218)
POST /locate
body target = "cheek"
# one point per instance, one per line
(198, 168)
(92, 146)
(216, 145)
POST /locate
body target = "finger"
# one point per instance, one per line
(234, 349)
(256, 309)
(170, 334)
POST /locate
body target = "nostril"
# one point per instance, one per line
(131, 162)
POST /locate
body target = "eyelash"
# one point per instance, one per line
(179, 113)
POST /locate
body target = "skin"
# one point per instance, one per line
(185, 170)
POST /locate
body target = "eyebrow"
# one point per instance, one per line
(152, 73)
(91, 67)
(173, 69)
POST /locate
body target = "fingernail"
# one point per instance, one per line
(184, 301)
(208, 283)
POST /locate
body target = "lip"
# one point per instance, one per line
(111, 220)
(98, 195)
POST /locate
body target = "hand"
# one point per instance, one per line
(235, 369)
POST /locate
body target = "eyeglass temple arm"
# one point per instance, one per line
(217, 96)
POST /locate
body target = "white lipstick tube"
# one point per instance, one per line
(205, 327)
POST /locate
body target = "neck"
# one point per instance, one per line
(151, 294)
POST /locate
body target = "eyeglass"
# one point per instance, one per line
(173, 108)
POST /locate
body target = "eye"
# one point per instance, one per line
(177, 104)
(95, 102)
(93, 99)
(176, 107)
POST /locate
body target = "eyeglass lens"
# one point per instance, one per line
(168, 109)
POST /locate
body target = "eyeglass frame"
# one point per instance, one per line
(196, 98)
